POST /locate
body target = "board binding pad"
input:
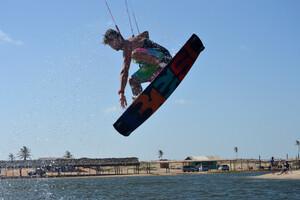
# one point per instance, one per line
(160, 88)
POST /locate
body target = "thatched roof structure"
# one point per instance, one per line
(82, 162)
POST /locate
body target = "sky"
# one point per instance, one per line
(59, 83)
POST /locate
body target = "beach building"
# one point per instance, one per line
(205, 162)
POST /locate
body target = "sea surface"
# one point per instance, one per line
(203, 186)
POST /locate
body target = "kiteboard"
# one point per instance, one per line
(160, 88)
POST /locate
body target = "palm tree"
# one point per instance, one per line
(11, 157)
(236, 151)
(298, 144)
(24, 153)
(68, 155)
(160, 154)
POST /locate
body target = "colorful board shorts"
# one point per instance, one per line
(148, 72)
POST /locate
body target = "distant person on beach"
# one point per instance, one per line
(272, 164)
(286, 168)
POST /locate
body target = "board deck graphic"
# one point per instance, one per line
(160, 88)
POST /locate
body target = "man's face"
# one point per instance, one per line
(116, 44)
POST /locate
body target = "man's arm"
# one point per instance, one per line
(124, 73)
(124, 78)
(144, 34)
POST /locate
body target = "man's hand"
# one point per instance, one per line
(123, 101)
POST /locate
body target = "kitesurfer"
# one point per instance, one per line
(150, 56)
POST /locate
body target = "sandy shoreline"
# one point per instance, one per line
(291, 175)
(51, 176)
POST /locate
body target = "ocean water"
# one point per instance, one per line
(208, 186)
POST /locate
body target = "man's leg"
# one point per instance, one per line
(135, 85)
(143, 75)
(151, 64)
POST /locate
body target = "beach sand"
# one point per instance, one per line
(291, 175)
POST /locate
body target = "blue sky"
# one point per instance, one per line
(59, 83)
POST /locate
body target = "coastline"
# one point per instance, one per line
(66, 176)
(152, 174)
(132, 167)
(290, 175)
